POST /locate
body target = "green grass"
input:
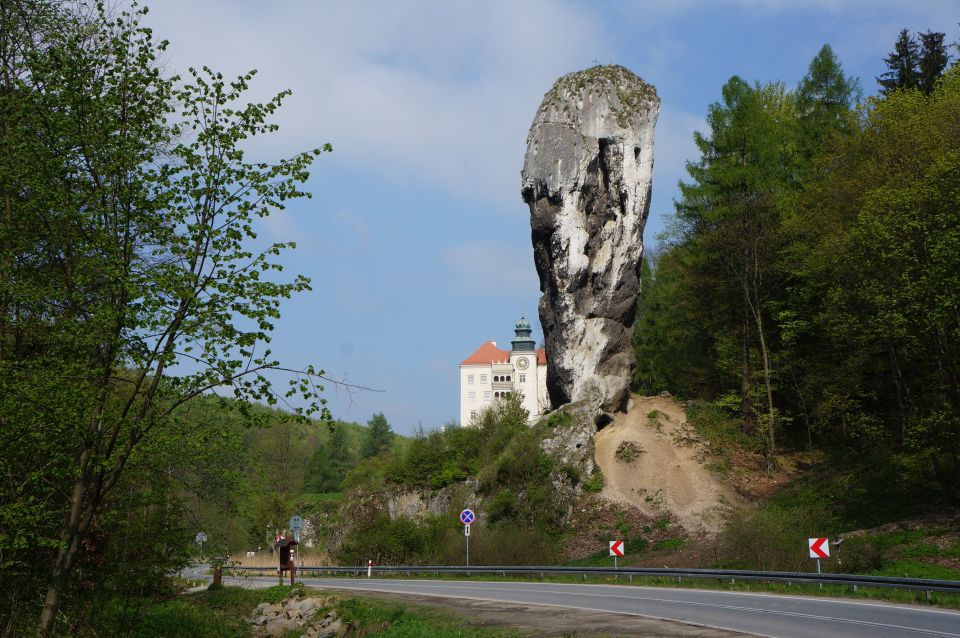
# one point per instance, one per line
(393, 620)
(183, 619)
(221, 614)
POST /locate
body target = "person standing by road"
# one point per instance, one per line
(285, 546)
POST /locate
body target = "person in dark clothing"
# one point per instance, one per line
(285, 546)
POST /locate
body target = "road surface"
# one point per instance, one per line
(775, 615)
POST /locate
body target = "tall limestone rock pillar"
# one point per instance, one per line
(586, 177)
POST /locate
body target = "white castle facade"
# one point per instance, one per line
(490, 374)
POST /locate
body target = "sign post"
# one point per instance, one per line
(466, 517)
(201, 537)
(296, 524)
(616, 549)
(819, 548)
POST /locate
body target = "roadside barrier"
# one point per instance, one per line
(733, 575)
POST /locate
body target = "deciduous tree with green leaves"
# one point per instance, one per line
(130, 286)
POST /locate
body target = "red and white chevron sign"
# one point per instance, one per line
(819, 547)
(616, 548)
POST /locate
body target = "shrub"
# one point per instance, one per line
(628, 451)
(180, 619)
(595, 482)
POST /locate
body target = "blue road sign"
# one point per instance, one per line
(467, 516)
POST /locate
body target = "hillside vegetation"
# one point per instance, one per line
(808, 286)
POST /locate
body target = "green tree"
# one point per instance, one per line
(330, 463)
(903, 64)
(378, 436)
(933, 59)
(825, 100)
(133, 290)
(883, 260)
(730, 209)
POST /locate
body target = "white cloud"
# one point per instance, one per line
(435, 90)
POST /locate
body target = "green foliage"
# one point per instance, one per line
(371, 616)
(594, 483)
(913, 64)
(502, 453)
(557, 419)
(378, 438)
(180, 619)
(128, 288)
(812, 268)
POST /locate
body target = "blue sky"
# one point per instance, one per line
(416, 239)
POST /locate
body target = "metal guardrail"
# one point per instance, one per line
(733, 575)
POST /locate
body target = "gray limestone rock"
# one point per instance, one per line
(586, 178)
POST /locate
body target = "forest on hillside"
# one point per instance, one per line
(809, 285)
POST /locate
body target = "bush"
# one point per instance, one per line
(595, 482)
(771, 537)
(180, 619)
(628, 451)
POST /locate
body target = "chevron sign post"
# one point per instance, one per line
(616, 549)
(819, 548)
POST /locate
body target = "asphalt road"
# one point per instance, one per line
(761, 614)
(774, 615)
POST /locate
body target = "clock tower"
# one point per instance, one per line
(523, 342)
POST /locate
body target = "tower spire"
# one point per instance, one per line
(523, 342)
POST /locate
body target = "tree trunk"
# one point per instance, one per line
(771, 438)
(946, 485)
(749, 425)
(898, 382)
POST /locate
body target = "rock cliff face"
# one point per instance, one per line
(586, 177)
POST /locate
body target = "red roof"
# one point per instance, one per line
(486, 354)
(489, 353)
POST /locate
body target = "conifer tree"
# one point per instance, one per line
(903, 64)
(933, 59)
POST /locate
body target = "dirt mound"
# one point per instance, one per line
(653, 459)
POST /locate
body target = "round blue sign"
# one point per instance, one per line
(467, 516)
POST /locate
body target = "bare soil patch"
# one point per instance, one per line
(670, 476)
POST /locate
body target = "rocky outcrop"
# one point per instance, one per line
(586, 178)
(315, 617)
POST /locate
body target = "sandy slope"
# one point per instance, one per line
(669, 476)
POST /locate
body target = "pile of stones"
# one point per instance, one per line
(313, 615)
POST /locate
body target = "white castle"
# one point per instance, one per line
(490, 374)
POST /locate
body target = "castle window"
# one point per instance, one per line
(473, 414)
(486, 395)
(471, 396)
(469, 379)
(523, 378)
(496, 395)
(508, 377)
(483, 378)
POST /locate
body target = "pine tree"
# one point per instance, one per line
(933, 59)
(904, 65)
(379, 436)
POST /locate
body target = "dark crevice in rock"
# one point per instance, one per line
(602, 420)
